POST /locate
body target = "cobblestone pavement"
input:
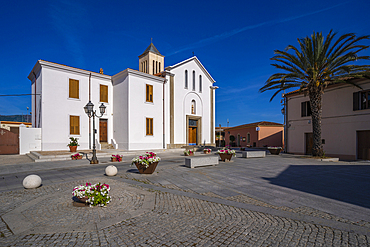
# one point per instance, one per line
(141, 216)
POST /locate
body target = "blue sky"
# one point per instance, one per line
(233, 39)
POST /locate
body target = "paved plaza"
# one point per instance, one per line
(283, 200)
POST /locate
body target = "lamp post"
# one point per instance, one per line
(89, 109)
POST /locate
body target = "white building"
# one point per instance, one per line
(153, 108)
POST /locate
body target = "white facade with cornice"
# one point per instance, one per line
(180, 115)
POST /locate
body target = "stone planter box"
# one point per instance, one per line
(226, 157)
(143, 170)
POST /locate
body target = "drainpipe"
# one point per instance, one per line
(35, 97)
(90, 118)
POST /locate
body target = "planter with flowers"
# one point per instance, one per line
(76, 156)
(207, 150)
(116, 158)
(73, 144)
(146, 163)
(95, 195)
(274, 150)
(189, 153)
(226, 154)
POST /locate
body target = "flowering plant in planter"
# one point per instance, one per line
(73, 142)
(226, 151)
(146, 159)
(116, 157)
(188, 152)
(207, 150)
(76, 156)
(97, 194)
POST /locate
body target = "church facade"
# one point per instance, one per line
(155, 107)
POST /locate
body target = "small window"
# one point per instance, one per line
(104, 93)
(361, 100)
(159, 66)
(193, 107)
(193, 80)
(306, 109)
(248, 138)
(186, 79)
(73, 89)
(153, 67)
(149, 126)
(200, 83)
(74, 125)
(149, 93)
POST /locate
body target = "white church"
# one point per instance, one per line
(155, 107)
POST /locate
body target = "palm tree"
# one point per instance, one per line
(318, 63)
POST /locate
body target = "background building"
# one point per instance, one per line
(345, 121)
(259, 134)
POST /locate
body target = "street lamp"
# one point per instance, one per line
(89, 110)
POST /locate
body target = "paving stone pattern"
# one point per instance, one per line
(173, 220)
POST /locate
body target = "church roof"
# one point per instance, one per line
(151, 48)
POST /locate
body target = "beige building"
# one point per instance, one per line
(345, 121)
(13, 126)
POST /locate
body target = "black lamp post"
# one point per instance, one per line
(89, 109)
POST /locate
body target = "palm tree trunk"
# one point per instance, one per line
(315, 101)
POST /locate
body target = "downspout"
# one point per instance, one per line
(35, 97)
(90, 118)
(286, 126)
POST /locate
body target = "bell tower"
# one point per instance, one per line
(151, 61)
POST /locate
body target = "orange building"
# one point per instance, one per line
(259, 134)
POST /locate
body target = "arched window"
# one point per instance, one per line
(156, 67)
(159, 66)
(153, 67)
(193, 80)
(186, 79)
(200, 83)
(193, 107)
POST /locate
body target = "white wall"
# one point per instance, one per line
(120, 109)
(29, 139)
(139, 110)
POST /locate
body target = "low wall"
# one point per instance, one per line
(29, 139)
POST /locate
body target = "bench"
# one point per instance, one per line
(253, 154)
(209, 160)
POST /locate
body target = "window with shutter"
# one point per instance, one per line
(73, 88)
(306, 109)
(104, 93)
(149, 126)
(149, 93)
(74, 125)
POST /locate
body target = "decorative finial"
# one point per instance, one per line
(193, 54)
(151, 40)
(101, 71)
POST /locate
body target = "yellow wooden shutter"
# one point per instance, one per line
(74, 125)
(149, 126)
(104, 93)
(73, 88)
(151, 93)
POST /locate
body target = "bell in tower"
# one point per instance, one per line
(151, 61)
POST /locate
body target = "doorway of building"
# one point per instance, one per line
(103, 129)
(309, 143)
(193, 132)
(363, 145)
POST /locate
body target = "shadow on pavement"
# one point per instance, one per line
(347, 183)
